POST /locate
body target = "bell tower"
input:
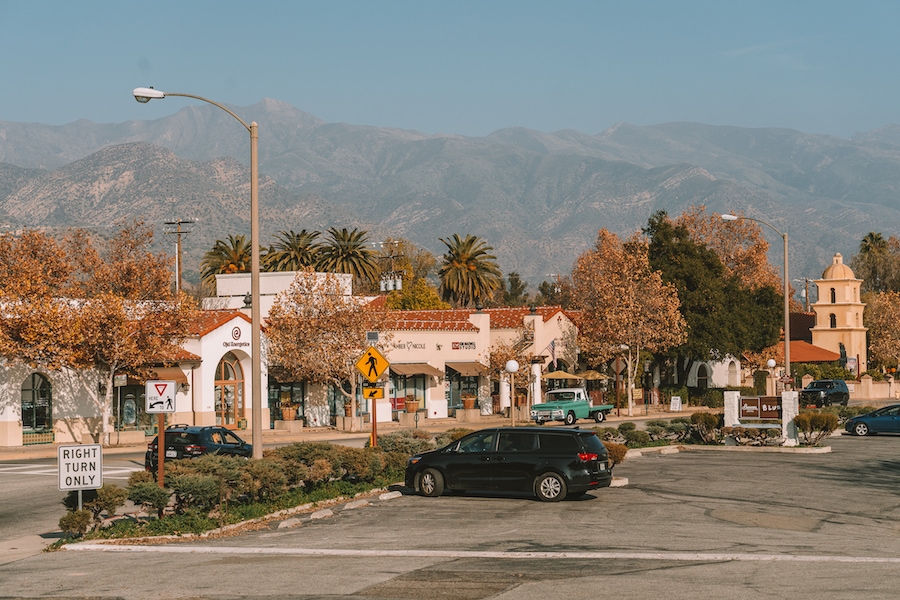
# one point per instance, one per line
(839, 315)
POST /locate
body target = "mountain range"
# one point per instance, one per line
(537, 198)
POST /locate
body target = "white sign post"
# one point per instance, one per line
(160, 399)
(80, 468)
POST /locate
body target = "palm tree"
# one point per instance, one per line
(469, 272)
(293, 251)
(348, 252)
(873, 243)
(233, 256)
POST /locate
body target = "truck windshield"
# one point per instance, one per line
(560, 396)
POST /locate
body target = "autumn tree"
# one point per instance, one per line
(92, 306)
(884, 328)
(740, 246)
(624, 302)
(317, 331)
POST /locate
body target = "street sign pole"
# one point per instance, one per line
(374, 402)
(160, 399)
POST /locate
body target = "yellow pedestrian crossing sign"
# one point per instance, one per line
(372, 364)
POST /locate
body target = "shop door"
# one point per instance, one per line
(229, 392)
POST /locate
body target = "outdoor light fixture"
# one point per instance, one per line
(512, 367)
(146, 94)
(787, 291)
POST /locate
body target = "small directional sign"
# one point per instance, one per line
(372, 364)
(160, 397)
(373, 393)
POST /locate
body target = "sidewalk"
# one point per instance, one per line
(331, 434)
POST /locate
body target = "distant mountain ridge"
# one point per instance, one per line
(538, 198)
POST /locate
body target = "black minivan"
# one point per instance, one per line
(552, 463)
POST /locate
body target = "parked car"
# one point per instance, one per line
(190, 441)
(825, 392)
(883, 420)
(550, 463)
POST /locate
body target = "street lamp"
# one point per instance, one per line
(787, 307)
(512, 367)
(146, 94)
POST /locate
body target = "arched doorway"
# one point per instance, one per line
(37, 408)
(229, 391)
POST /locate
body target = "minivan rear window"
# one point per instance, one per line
(558, 443)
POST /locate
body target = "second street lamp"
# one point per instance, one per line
(787, 291)
(144, 95)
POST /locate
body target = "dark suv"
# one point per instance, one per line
(825, 392)
(551, 463)
(190, 441)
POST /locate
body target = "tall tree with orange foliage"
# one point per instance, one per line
(317, 331)
(91, 306)
(624, 302)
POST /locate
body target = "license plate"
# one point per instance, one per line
(171, 454)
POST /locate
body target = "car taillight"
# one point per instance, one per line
(193, 449)
(588, 456)
(151, 447)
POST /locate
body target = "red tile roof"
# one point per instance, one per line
(457, 319)
(209, 320)
(804, 352)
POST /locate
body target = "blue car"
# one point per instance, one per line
(883, 420)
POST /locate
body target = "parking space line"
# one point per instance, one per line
(453, 554)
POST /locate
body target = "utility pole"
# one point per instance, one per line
(178, 232)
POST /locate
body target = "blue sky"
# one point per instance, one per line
(461, 66)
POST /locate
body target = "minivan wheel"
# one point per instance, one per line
(550, 487)
(431, 483)
(570, 418)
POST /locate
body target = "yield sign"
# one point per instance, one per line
(160, 396)
(372, 364)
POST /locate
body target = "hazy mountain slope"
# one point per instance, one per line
(538, 198)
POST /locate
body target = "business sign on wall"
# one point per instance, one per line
(764, 407)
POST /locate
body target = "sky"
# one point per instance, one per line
(461, 66)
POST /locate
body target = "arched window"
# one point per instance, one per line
(833, 296)
(833, 320)
(229, 391)
(702, 377)
(37, 404)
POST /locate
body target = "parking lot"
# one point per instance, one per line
(697, 523)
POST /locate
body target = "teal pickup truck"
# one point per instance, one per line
(568, 405)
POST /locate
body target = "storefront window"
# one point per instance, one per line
(36, 404)
(402, 386)
(128, 409)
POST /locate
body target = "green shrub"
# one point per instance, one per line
(108, 500)
(141, 477)
(195, 492)
(451, 435)
(815, 426)
(75, 523)
(407, 441)
(150, 496)
(626, 426)
(705, 426)
(712, 398)
(636, 437)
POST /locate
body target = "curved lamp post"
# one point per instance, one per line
(787, 308)
(146, 94)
